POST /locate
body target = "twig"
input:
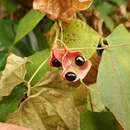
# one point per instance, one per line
(101, 48)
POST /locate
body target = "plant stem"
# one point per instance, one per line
(101, 48)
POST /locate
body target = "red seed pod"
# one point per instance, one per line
(73, 68)
(56, 57)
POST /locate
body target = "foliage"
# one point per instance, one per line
(34, 94)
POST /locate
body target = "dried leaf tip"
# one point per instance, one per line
(61, 9)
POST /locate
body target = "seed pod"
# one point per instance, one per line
(69, 65)
(56, 57)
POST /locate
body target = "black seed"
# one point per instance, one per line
(79, 60)
(70, 76)
(56, 63)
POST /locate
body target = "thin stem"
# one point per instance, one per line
(30, 97)
(90, 99)
(61, 40)
(56, 37)
(29, 89)
(38, 93)
(61, 30)
(101, 48)
(37, 70)
(34, 74)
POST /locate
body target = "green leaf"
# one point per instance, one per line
(33, 42)
(9, 5)
(3, 57)
(105, 10)
(35, 61)
(6, 33)
(6, 40)
(79, 35)
(98, 121)
(13, 74)
(122, 39)
(9, 104)
(95, 100)
(114, 76)
(119, 2)
(27, 24)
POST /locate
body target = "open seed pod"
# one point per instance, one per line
(75, 66)
(56, 57)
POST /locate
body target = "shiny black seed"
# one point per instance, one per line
(79, 60)
(70, 76)
(56, 63)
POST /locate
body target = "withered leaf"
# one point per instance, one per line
(13, 74)
(52, 109)
(61, 9)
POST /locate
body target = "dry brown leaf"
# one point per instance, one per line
(52, 109)
(61, 9)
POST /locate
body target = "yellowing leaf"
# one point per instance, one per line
(13, 74)
(81, 37)
(77, 36)
(61, 9)
(51, 109)
(80, 96)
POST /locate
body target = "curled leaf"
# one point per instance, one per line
(13, 74)
(61, 9)
(81, 37)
